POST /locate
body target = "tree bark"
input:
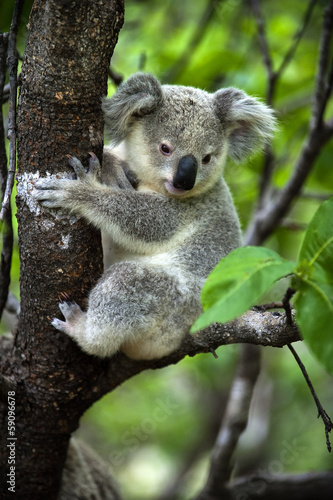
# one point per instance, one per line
(64, 75)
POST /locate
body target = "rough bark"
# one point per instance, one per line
(64, 75)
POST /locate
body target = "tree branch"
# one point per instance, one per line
(321, 412)
(273, 76)
(266, 219)
(12, 61)
(324, 80)
(263, 44)
(296, 38)
(292, 487)
(5, 225)
(198, 35)
(269, 216)
(234, 422)
(254, 327)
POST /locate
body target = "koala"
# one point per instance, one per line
(163, 204)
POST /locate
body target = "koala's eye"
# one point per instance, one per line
(206, 159)
(165, 149)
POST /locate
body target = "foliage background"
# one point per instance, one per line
(157, 422)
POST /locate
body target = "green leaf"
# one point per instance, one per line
(314, 313)
(316, 254)
(238, 282)
(314, 301)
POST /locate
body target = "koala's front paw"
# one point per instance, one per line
(94, 170)
(74, 316)
(52, 192)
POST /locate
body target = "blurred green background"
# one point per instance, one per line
(161, 424)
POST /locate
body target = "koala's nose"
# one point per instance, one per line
(186, 173)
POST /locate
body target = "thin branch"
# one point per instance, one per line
(273, 76)
(293, 225)
(310, 195)
(296, 38)
(269, 216)
(308, 486)
(6, 88)
(269, 160)
(254, 327)
(12, 63)
(234, 421)
(6, 226)
(263, 44)
(324, 80)
(117, 78)
(267, 219)
(287, 306)
(202, 25)
(321, 412)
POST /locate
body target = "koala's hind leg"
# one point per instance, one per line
(137, 309)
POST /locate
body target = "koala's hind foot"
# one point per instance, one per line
(74, 318)
(90, 337)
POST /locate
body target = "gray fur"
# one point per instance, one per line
(164, 239)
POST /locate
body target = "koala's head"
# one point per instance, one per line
(177, 138)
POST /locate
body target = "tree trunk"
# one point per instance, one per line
(64, 75)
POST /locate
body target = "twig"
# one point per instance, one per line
(321, 412)
(174, 72)
(308, 486)
(309, 195)
(324, 79)
(12, 60)
(117, 78)
(254, 327)
(269, 160)
(293, 226)
(6, 225)
(268, 216)
(273, 76)
(234, 421)
(286, 304)
(263, 43)
(6, 88)
(296, 38)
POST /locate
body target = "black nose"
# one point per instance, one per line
(186, 173)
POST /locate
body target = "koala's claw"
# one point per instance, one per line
(63, 297)
(77, 166)
(94, 166)
(70, 310)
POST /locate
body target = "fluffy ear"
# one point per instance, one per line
(140, 95)
(249, 124)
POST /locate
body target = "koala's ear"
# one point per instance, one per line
(248, 123)
(140, 95)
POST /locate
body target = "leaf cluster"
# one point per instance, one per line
(241, 278)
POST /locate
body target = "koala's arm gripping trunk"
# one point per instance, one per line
(132, 218)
